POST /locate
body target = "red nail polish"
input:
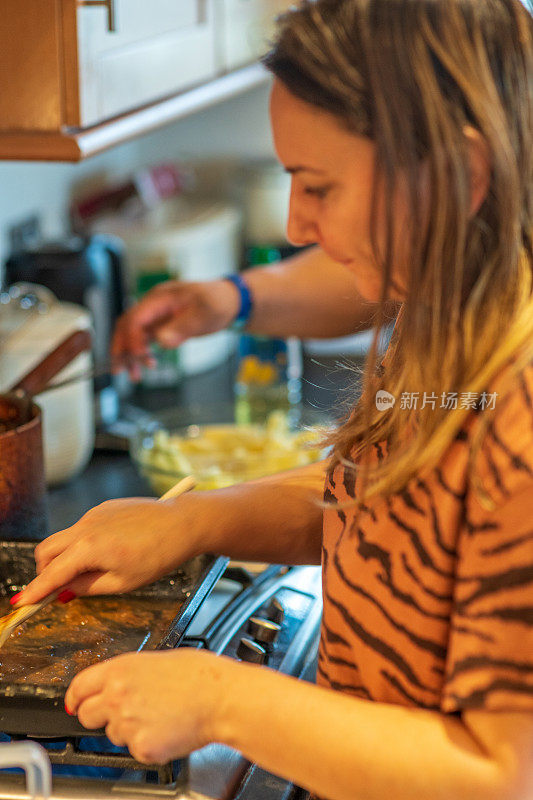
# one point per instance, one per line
(15, 598)
(66, 596)
(69, 712)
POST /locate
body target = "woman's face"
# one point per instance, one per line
(332, 178)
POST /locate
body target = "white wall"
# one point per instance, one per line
(237, 129)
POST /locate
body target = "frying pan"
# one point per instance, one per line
(38, 710)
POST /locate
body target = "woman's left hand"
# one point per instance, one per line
(160, 705)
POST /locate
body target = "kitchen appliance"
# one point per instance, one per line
(260, 615)
(88, 271)
(32, 324)
(186, 240)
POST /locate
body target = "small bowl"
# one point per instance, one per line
(221, 453)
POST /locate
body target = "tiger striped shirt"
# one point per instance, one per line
(428, 597)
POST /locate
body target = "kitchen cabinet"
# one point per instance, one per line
(79, 76)
(244, 28)
(132, 52)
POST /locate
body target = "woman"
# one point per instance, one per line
(407, 127)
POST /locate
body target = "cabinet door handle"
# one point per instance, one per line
(110, 6)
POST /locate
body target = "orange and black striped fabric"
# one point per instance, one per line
(428, 598)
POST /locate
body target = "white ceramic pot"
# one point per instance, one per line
(68, 412)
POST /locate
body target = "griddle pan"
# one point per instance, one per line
(39, 710)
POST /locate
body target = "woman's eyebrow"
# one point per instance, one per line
(294, 170)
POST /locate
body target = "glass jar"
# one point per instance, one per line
(269, 370)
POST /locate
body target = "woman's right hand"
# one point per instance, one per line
(115, 547)
(169, 314)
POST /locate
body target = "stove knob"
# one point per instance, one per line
(275, 611)
(251, 651)
(263, 630)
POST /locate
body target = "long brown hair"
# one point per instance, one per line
(414, 75)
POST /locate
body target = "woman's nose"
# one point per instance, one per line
(301, 229)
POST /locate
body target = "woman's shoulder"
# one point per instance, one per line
(504, 460)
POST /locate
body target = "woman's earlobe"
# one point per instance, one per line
(480, 167)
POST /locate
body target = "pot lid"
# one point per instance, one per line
(32, 322)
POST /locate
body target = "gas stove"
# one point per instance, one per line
(265, 615)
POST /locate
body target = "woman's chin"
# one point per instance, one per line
(369, 291)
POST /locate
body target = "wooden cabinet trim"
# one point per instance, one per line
(72, 144)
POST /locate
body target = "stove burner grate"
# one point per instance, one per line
(96, 757)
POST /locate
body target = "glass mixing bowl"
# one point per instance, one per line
(206, 443)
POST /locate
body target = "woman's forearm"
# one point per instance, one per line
(308, 295)
(344, 748)
(276, 519)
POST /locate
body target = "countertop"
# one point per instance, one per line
(108, 476)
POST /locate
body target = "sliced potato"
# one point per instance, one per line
(221, 455)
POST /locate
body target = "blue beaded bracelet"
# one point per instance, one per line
(247, 303)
